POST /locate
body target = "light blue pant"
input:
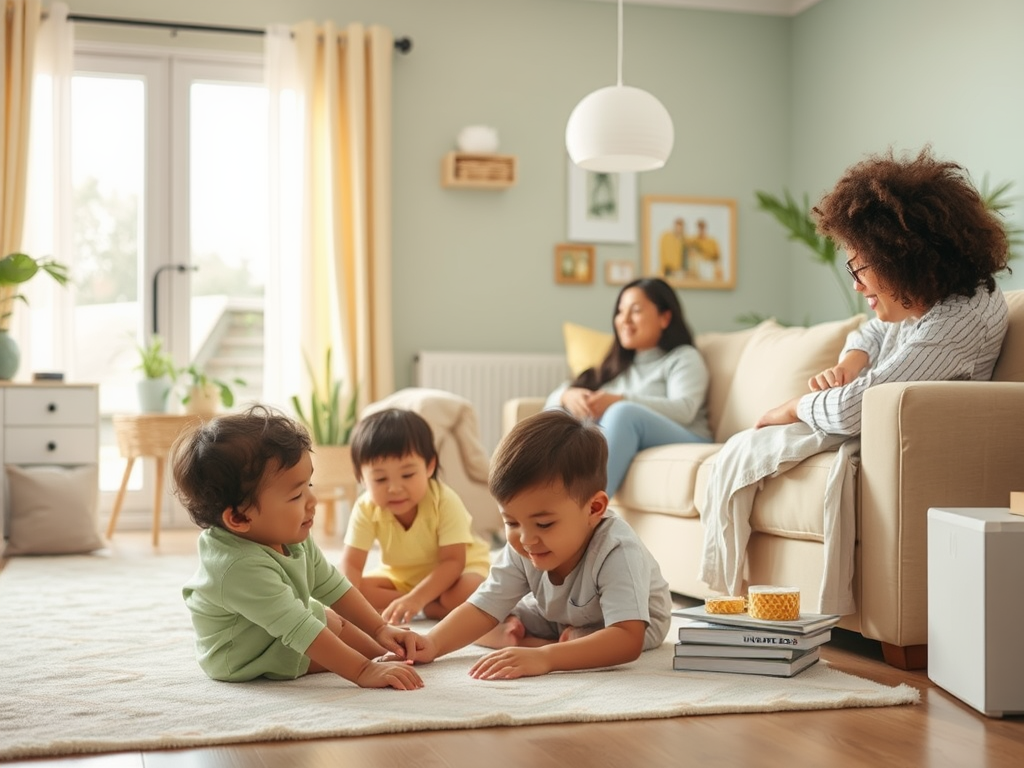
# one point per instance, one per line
(630, 428)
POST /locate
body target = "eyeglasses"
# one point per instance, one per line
(853, 272)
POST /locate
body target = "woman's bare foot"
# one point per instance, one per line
(508, 634)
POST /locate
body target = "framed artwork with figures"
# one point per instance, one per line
(690, 242)
(574, 264)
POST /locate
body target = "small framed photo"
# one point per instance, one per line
(574, 264)
(690, 242)
(619, 272)
(602, 206)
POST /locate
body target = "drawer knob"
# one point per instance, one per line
(52, 407)
(51, 446)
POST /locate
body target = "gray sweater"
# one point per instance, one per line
(674, 384)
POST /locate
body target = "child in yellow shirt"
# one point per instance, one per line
(431, 561)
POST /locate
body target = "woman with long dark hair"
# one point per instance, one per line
(651, 388)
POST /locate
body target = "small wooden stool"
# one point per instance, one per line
(146, 434)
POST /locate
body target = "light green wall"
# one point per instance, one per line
(869, 74)
(759, 102)
(473, 270)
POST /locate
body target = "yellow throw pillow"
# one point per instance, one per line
(584, 347)
(774, 367)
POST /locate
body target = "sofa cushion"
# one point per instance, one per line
(790, 505)
(1010, 365)
(584, 347)
(662, 479)
(775, 366)
(721, 353)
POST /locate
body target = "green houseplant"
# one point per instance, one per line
(204, 392)
(158, 376)
(15, 269)
(330, 420)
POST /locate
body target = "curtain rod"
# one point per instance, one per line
(402, 44)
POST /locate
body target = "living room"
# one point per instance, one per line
(761, 101)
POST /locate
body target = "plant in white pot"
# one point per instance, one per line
(330, 420)
(15, 269)
(158, 375)
(205, 394)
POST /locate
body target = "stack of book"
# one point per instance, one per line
(713, 642)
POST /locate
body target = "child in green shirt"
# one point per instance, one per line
(265, 602)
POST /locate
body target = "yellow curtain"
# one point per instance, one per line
(17, 52)
(346, 74)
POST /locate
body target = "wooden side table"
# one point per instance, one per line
(146, 434)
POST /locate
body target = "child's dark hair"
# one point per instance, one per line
(220, 464)
(547, 447)
(392, 433)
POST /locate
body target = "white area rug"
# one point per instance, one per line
(96, 655)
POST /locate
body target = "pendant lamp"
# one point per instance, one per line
(619, 128)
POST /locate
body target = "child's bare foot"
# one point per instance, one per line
(508, 634)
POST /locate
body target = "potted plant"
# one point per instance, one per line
(330, 420)
(158, 376)
(17, 268)
(205, 394)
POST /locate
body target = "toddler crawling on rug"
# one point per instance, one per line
(574, 587)
(259, 600)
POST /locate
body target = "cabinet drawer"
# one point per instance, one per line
(65, 406)
(51, 445)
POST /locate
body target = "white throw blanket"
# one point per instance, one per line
(741, 467)
(450, 417)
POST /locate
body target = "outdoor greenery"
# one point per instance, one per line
(329, 420)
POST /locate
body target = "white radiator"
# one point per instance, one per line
(489, 379)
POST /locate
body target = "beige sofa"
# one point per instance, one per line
(928, 444)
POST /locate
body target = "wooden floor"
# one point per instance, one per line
(941, 731)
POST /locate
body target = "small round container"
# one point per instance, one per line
(773, 603)
(728, 604)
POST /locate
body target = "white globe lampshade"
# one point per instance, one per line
(619, 128)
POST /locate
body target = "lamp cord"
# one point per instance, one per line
(620, 43)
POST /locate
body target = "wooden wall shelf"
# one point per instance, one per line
(462, 169)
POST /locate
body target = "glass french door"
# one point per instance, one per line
(169, 185)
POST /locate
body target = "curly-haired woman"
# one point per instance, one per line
(923, 250)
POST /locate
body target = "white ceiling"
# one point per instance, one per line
(769, 7)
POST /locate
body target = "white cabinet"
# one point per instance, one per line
(47, 424)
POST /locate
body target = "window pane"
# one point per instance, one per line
(229, 238)
(107, 159)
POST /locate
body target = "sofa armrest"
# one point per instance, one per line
(517, 409)
(927, 444)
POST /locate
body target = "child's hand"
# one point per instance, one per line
(401, 610)
(401, 641)
(510, 663)
(389, 675)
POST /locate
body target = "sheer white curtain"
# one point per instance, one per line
(287, 315)
(330, 95)
(43, 328)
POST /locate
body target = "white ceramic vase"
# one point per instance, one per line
(478, 139)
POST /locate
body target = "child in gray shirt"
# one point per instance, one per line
(574, 588)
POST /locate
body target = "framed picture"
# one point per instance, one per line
(574, 264)
(690, 242)
(602, 206)
(619, 272)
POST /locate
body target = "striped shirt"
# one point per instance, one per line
(957, 339)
